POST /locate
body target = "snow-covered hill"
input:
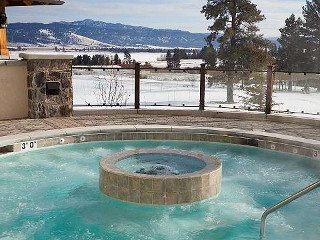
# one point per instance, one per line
(96, 33)
(77, 39)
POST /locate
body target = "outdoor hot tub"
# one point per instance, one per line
(51, 190)
(160, 176)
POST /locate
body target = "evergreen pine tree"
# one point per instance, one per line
(78, 60)
(117, 59)
(127, 56)
(169, 59)
(240, 46)
(209, 55)
(86, 60)
(102, 60)
(107, 61)
(291, 54)
(176, 58)
(95, 60)
(311, 13)
(183, 54)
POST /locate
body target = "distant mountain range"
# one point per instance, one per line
(96, 33)
(91, 33)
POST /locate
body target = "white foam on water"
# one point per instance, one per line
(129, 148)
(25, 232)
(89, 235)
(11, 176)
(100, 151)
(83, 170)
(234, 206)
(278, 221)
(170, 227)
(15, 164)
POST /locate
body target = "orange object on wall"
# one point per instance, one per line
(3, 42)
(3, 30)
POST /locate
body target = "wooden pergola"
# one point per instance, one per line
(3, 19)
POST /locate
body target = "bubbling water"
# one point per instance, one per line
(53, 193)
(160, 164)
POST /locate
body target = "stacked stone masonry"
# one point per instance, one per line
(40, 71)
(160, 190)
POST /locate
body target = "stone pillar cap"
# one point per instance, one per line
(31, 56)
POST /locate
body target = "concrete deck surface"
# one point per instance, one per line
(13, 127)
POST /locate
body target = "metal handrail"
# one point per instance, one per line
(283, 203)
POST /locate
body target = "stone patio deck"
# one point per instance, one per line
(13, 127)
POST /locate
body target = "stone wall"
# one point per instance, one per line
(49, 68)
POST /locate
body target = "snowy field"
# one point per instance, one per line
(142, 57)
(178, 89)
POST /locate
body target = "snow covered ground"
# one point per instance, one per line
(150, 57)
(178, 89)
(173, 88)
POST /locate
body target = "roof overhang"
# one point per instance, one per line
(12, 3)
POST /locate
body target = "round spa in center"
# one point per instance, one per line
(160, 176)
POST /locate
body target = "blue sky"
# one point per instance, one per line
(172, 14)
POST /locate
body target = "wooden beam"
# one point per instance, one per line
(12, 3)
(137, 86)
(3, 43)
(2, 5)
(202, 86)
(27, 3)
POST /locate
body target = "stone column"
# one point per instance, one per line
(44, 73)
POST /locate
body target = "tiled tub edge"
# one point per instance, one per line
(160, 189)
(272, 141)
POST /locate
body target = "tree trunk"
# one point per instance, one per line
(290, 86)
(233, 22)
(231, 64)
(230, 90)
